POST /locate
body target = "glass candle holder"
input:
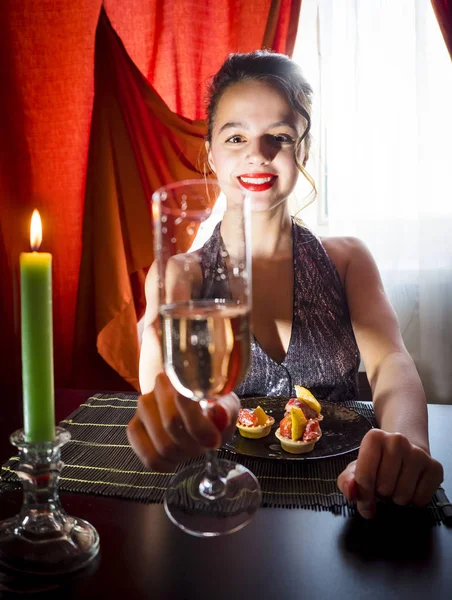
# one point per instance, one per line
(42, 539)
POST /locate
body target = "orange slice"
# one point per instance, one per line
(305, 395)
(262, 417)
(298, 423)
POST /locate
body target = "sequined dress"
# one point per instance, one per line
(322, 355)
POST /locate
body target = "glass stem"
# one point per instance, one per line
(212, 485)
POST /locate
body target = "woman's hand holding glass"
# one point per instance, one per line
(168, 428)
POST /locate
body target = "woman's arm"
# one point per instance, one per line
(179, 283)
(150, 355)
(395, 461)
(397, 392)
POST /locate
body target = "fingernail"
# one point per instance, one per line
(354, 489)
(219, 417)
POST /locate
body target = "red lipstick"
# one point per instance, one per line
(257, 182)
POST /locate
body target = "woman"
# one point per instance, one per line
(317, 305)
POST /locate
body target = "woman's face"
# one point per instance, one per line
(253, 143)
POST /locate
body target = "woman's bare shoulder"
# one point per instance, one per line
(342, 250)
(343, 245)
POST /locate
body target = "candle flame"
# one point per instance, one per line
(155, 211)
(35, 230)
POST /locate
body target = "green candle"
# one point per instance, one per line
(37, 339)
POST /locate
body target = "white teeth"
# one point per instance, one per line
(256, 180)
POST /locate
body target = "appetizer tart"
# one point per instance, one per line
(296, 433)
(254, 424)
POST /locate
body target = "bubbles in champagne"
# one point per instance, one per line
(206, 346)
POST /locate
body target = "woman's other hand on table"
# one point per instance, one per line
(168, 429)
(389, 466)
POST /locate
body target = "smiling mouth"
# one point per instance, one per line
(258, 182)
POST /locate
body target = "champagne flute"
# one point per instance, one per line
(204, 308)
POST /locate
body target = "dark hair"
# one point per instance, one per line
(276, 69)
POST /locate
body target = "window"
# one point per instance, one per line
(382, 79)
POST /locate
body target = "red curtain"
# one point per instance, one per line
(443, 11)
(189, 39)
(46, 75)
(136, 144)
(46, 66)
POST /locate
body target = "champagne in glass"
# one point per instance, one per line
(205, 347)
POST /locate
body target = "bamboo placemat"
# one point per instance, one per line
(99, 460)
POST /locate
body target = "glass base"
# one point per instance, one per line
(199, 516)
(68, 547)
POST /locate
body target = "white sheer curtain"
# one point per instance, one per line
(383, 157)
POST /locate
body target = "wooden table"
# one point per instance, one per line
(282, 554)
